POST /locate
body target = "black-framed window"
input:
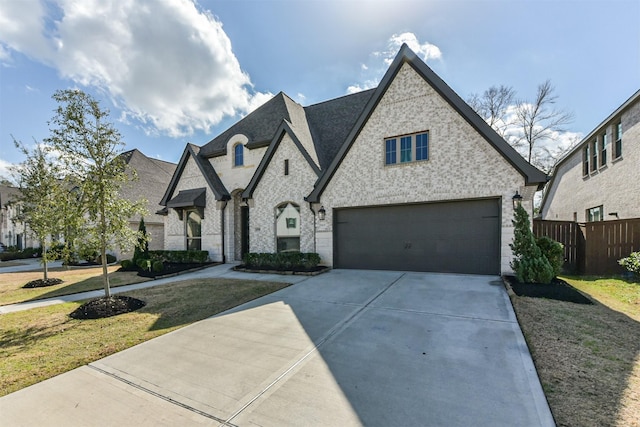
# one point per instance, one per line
(238, 155)
(617, 137)
(585, 160)
(594, 155)
(412, 148)
(193, 229)
(603, 148)
(595, 214)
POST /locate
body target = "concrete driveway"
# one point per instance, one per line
(345, 348)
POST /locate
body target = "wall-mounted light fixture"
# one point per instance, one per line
(322, 213)
(517, 200)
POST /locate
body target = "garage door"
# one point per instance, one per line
(450, 237)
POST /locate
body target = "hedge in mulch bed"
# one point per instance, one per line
(106, 307)
(41, 283)
(558, 289)
(294, 270)
(173, 268)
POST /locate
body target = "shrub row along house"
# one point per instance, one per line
(405, 176)
(600, 178)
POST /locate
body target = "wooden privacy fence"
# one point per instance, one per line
(595, 247)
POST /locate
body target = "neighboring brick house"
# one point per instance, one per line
(402, 177)
(13, 233)
(153, 176)
(600, 178)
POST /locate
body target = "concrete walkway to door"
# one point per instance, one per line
(348, 348)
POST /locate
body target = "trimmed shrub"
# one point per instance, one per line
(553, 251)
(529, 264)
(141, 250)
(126, 264)
(144, 264)
(180, 257)
(157, 266)
(631, 263)
(110, 259)
(281, 261)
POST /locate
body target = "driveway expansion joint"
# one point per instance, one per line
(158, 395)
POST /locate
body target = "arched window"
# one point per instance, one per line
(288, 227)
(238, 155)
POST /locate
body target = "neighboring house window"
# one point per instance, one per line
(585, 160)
(238, 155)
(617, 152)
(603, 149)
(594, 155)
(412, 148)
(288, 227)
(595, 214)
(193, 229)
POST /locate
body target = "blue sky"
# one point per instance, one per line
(175, 71)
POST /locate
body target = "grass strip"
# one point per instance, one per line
(587, 356)
(40, 343)
(74, 280)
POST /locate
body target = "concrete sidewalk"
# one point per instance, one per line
(27, 264)
(222, 270)
(348, 348)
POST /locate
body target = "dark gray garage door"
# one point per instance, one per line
(451, 237)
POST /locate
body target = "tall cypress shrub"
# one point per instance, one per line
(142, 247)
(529, 264)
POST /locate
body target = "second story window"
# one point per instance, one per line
(603, 149)
(412, 148)
(238, 155)
(585, 160)
(617, 140)
(594, 155)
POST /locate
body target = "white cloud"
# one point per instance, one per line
(380, 60)
(165, 63)
(5, 172)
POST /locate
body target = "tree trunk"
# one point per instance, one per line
(44, 259)
(105, 272)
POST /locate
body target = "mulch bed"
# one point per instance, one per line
(41, 283)
(106, 307)
(299, 270)
(558, 289)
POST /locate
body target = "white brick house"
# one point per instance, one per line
(600, 178)
(405, 176)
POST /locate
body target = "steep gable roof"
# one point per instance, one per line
(331, 121)
(205, 167)
(259, 127)
(532, 175)
(285, 128)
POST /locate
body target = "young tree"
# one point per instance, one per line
(141, 250)
(536, 129)
(89, 147)
(39, 179)
(540, 120)
(493, 106)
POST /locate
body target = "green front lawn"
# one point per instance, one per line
(587, 356)
(40, 343)
(74, 280)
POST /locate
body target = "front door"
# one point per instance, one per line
(244, 230)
